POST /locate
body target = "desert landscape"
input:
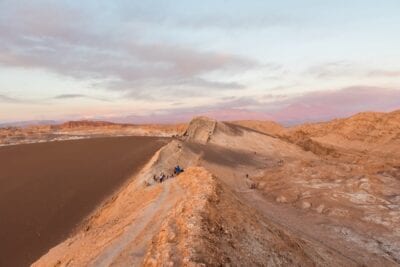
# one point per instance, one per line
(199, 133)
(252, 193)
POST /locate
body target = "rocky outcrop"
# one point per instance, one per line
(200, 130)
(267, 127)
(84, 123)
(301, 139)
(367, 127)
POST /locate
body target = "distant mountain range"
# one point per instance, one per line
(28, 123)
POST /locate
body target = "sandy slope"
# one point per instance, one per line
(47, 189)
(193, 220)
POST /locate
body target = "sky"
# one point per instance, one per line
(166, 61)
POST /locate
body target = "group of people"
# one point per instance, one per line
(162, 177)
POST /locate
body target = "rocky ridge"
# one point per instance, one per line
(239, 201)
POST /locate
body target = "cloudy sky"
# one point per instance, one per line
(139, 61)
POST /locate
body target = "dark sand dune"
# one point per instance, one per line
(47, 189)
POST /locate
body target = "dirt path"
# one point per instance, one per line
(311, 230)
(126, 249)
(310, 227)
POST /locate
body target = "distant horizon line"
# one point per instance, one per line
(117, 120)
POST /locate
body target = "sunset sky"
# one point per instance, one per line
(165, 61)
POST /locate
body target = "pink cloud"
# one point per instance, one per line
(308, 107)
(174, 117)
(237, 114)
(325, 105)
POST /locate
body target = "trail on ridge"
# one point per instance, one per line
(245, 198)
